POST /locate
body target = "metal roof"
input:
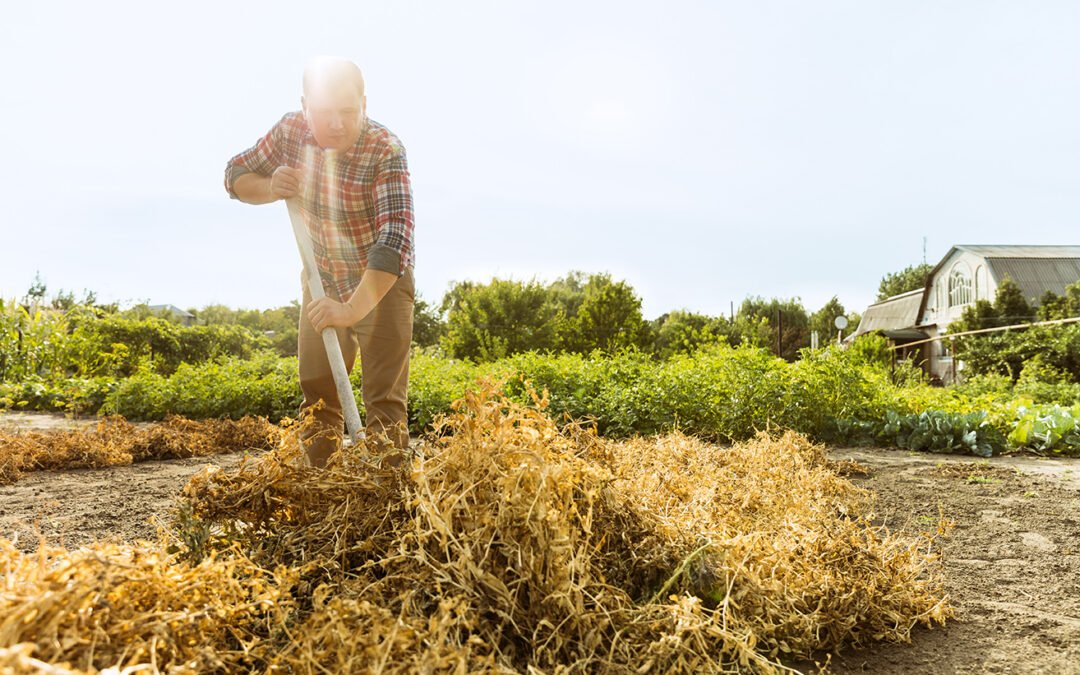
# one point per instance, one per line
(899, 311)
(1035, 276)
(176, 311)
(1028, 276)
(1008, 251)
(905, 334)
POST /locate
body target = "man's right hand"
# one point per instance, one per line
(286, 182)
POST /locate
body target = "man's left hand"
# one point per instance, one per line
(324, 312)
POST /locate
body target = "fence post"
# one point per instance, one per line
(952, 351)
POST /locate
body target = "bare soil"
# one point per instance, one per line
(76, 507)
(1011, 560)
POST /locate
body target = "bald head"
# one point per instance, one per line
(334, 102)
(327, 73)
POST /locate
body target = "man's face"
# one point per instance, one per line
(335, 115)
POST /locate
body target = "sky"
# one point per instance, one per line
(704, 152)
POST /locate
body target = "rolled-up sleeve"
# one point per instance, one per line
(393, 214)
(262, 158)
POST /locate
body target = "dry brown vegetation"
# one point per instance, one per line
(115, 442)
(507, 544)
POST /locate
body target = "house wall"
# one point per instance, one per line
(946, 299)
(941, 308)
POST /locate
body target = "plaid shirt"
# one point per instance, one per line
(356, 203)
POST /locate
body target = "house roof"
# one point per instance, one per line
(176, 311)
(905, 334)
(1035, 276)
(1035, 269)
(1009, 251)
(899, 311)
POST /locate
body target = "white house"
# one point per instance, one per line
(964, 275)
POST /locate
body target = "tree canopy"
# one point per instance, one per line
(910, 278)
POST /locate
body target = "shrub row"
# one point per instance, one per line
(719, 393)
(83, 343)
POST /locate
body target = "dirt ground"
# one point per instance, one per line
(1012, 560)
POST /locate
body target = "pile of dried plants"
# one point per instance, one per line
(507, 544)
(115, 442)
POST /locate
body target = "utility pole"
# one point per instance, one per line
(780, 333)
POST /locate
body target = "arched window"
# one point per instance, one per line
(960, 285)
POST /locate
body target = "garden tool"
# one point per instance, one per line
(353, 422)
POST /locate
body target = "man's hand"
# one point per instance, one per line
(324, 312)
(286, 182)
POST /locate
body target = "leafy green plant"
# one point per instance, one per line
(716, 392)
(1047, 427)
(266, 385)
(937, 431)
(32, 340)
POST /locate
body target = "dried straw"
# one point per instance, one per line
(506, 544)
(115, 442)
(971, 470)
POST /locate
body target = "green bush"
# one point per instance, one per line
(719, 392)
(87, 342)
(75, 395)
(118, 346)
(434, 382)
(266, 385)
(33, 341)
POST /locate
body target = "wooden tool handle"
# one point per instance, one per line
(330, 339)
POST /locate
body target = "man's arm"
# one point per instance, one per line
(325, 312)
(393, 213)
(261, 174)
(253, 188)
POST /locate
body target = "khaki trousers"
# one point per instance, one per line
(382, 339)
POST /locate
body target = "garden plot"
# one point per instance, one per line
(1000, 530)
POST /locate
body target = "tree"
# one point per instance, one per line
(1008, 308)
(486, 322)
(216, 314)
(428, 325)
(282, 321)
(910, 278)
(976, 316)
(569, 292)
(1005, 352)
(781, 316)
(1053, 306)
(1010, 305)
(608, 318)
(824, 320)
(682, 331)
(36, 293)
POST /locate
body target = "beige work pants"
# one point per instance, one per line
(382, 339)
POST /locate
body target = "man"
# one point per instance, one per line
(350, 177)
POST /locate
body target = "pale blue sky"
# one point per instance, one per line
(704, 151)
